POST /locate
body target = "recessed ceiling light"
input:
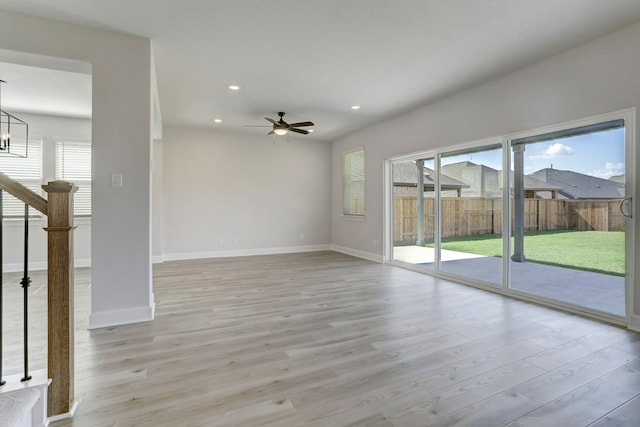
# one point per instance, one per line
(234, 87)
(355, 107)
(217, 120)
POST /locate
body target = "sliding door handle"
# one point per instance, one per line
(625, 207)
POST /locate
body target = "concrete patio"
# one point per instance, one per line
(597, 291)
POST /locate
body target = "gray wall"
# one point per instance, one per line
(228, 194)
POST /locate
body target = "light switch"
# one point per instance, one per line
(116, 180)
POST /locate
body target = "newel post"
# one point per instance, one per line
(60, 299)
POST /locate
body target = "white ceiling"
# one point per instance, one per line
(314, 59)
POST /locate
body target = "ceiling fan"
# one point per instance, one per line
(280, 127)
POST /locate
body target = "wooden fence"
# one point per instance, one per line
(464, 216)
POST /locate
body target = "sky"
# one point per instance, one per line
(599, 154)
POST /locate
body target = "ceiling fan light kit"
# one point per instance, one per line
(280, 127)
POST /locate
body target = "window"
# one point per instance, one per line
(73, 164)
(353, 185)
(28, 172)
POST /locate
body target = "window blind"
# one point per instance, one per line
(28, 172)
(353, 188)
(73, 164)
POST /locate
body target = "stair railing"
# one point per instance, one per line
(58, 207)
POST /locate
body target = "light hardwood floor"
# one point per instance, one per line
(324, 339)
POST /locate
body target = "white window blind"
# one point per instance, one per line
(73, 164)
(353, 188)
(28, 172)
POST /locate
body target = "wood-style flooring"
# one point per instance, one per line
(325, 339)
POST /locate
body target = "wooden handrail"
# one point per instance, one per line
(21, 192)
(59, 211)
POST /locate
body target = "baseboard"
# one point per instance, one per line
(125, 316)
(157, 259)
(84, 262)
(245, 252)
(357, 253)
(53, 418)
(41, 265)
(18, 266)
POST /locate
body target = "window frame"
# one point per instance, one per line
(353, 199)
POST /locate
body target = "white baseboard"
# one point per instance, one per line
(157, 259)
(53, 418)
(85, 262)
(125, 316)
(357, 253)
(41, 265)
(245, 252)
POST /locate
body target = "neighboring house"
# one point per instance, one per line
(484, 181)
(535, 188)
(574, 185)
(405, 181)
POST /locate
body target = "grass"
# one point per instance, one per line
(598, 251)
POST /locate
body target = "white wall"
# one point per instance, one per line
(121, 135)
(230, 194)
(49, 129)
(599, 77)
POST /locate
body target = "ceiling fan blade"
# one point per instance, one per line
(300, 124)
(270, 120)
(302, 131)
(271, 133)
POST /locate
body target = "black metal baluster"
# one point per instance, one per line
(25, 285)
(2, 381)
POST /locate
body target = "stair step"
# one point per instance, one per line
(24, 404)
(16, 407)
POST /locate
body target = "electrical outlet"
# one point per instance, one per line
(301, 236)
(116, 180)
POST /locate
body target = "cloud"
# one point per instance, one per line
(555, 150)
(610, 169)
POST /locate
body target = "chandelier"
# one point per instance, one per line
(14, 133)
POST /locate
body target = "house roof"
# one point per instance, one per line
(530, 183)
(404, 175)
(533, 184)
(576, 185)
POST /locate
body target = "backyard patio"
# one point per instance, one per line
(596, 291)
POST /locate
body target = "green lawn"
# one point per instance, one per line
(599, 251)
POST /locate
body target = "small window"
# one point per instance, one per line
(73, 164)
(353, 187)
(28, 172)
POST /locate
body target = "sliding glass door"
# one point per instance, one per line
(471, 213)
(414, 211)
(569, 206)
(562, 213)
